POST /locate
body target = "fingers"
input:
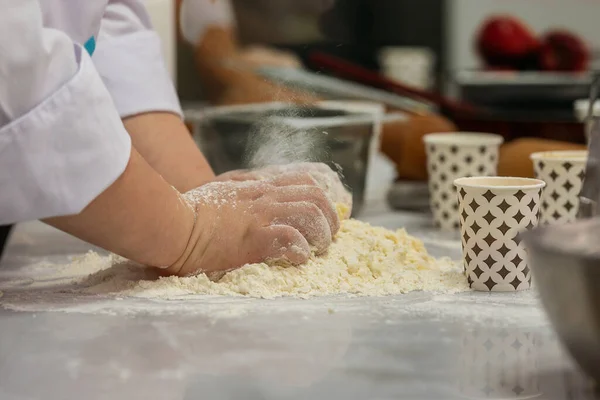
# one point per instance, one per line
(227, 176)
(298, 174)
(329, 180)
(310, 167)
(278, 172)
(313, 195)
(272, 171)
(319, 167)
(252, 190)
(237, 175)
(283, 243)
(293, 179)
(307, 219)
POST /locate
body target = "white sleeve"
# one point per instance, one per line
(129, 58)
(62, 142)
(195, 16)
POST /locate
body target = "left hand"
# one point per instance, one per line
(260, 56)
(325, 178)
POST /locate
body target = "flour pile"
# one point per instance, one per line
(363, 260)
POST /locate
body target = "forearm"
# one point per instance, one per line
(166, 144)
(140, 217)
(128, 56)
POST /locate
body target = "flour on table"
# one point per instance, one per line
(364, 260)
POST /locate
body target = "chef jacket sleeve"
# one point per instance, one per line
(129, 59)
(62, 142)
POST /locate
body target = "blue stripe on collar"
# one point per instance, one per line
(90, 45)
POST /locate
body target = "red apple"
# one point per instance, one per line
(563, 51)
(506, 42)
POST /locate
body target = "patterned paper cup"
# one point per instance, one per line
(456, 155)
(563, 172)
(493, 211)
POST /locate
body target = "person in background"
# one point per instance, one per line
(92, 142)
(225, 67)
(197, 17)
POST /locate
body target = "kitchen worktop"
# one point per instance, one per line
(415, 346)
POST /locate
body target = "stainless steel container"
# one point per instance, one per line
(340, 138)
(565, 261)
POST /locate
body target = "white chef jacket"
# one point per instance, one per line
(62, 141)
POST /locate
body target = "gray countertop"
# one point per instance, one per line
(415, 346)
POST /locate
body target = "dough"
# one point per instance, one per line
(363, 260)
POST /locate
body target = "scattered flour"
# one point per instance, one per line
(274, 142)
(214, 193)
(363, 260)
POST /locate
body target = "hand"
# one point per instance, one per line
(280, 219)
(258, 56)
(325, 177)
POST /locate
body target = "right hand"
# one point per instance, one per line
(326, 178)
(237, 223)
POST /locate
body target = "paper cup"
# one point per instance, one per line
(499, 364)
(563, 172)
(456, 155)
(493, 211)
(409, 65)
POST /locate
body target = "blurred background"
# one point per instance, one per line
(517, 68)
(359, 30)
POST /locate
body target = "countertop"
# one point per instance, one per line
(415, 346)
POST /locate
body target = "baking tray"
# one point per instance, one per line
(518, 88)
